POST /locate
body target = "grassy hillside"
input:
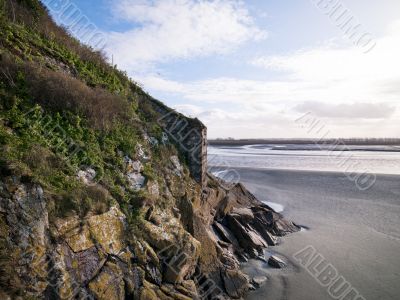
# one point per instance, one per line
(64, 107)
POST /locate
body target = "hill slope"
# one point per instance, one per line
(103, 190)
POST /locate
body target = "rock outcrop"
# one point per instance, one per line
(98, 257)
(235, 226)
(104, 191)
(190, 135)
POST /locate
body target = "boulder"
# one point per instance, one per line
(258, 281)
(183, 262)
(177, 250)
(86, 176)
(225, 234)
(109, 284)
(132, 166)
(236, 283)
(24, 235)
(243, 213)
(153, 189)
(136, 180)
(108, 230)
(276, 262)
(79, 238)
(248, 238)
(141, 154)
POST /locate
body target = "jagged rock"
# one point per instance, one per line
(23, 234)
(153, 189)
(164, 138)
(109, 284)
(258, 281)
(108, 230)
(136, 180)
(157, 237)
(236, 283)
(84, 265)
(177, 249)
(225, 234)
(248, 238)
(178, 169)
(170, 290)
(141, 154)
(276, 262)
(283, 227)
(244, 213)
(152, 292)
(182, 262)
(271, 240)
(229, 260)
(77, 236)
(153, 274)
(132, 166)
(153, 141)
(148, 294)
(86, 176)
(188, 288)
(262, 228)
(151, 255)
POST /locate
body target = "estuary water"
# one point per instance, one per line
(352, 223)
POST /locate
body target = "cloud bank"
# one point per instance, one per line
(166, 30)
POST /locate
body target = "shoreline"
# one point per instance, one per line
(358, 232)
(344, 142)
(226, 167)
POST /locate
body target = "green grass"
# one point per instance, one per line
(50, 143)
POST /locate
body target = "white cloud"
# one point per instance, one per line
(164, 30)
(342, 74)
(347, 110)
(357, 94)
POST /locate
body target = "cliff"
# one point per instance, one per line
(104, 191)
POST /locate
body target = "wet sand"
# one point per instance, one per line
(358, 232)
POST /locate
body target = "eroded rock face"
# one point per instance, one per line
(177, 168)
(87, 176)
(191, 250)
(23, 235)
(240, 227)
(108, 230)
(109, 283)
(276, 262)
(133, 170)
(177, 250)
(236, 283)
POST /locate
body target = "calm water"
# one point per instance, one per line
(356, 230)
(356, 159)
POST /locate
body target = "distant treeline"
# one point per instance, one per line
(350, 141)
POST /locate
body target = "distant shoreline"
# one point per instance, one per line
(343, 142)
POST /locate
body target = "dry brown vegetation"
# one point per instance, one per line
(61, 92)
(20, 11)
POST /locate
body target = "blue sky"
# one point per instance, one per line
(252, 68)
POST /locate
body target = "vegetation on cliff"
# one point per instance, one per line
(98, 198)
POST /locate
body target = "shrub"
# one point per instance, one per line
(33, 14)
(61, 92)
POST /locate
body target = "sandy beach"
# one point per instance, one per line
(358, 232)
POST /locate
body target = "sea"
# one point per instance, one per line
(312, 157)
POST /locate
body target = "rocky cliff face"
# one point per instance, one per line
(104, 191)
(190, 135)
(192, 250)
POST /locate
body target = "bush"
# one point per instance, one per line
(61, 92)
(33, 14)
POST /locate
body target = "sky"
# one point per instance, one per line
(256, 69)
